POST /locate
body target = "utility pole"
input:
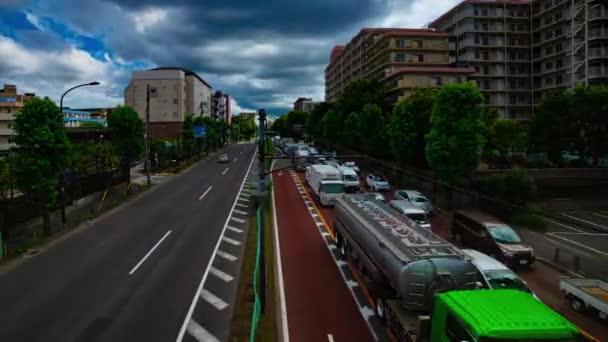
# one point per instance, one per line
(149, 181)
(262, 190)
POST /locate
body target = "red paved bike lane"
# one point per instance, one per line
(318, 301)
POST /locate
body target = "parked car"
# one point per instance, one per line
(352, 165)
(223, 158)
(415, 214)
(491, 236)
(377, 182)
(494, 274)
(416, 198)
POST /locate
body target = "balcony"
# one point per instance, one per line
(598, 72)
(598, 14)
(598, 52)
(598, 33)
(6, 117)
(6, 131)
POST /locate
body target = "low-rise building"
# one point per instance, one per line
(76, 118)
(10, 103)
(174, 92)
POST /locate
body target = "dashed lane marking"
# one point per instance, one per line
(240, 212)
(235, 219)
(231, 241)
(224, 172)
(221, 274)
(243, 199)
(236, 230)
(226, 256)
(214, 300)
(149, 252)
(330, 337)
(206, 192)
(242, 205)
(199, 333)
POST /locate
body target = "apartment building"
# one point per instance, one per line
(304, 104)
(493, 37)
(220, 106)
(569, 44)
(10, 103)
(399, 58)
(174, 92)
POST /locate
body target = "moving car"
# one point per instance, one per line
(416, 198)
(491, 236)
(494, 274)
(350, 178)
(223, 158)
(377, 182)
(352, 165)
(415, 214)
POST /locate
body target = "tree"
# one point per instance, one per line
(235, 132)
(359, 93)
(554, 127)
(455, 140)
(591, 106)
(332, 124)
(127, 136)
(313, 122)
(280, 126)
(351, 131)
(41, 154)
(248, 127)
(295, 123)
(409, 124)
(507, 136)
(188, 141)
(371, 129)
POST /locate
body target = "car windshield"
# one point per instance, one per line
(418, 218)
(505, 280)
(380, 179)
(349, 164)
(504, 234)
(420, 200)
(350, 178)
(332, 188)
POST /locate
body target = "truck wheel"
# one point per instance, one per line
(381, 309)
(576, 304)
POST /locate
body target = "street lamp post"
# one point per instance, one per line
(63, 217)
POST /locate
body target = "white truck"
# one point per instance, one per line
(586, 295)
(300, 159)
(325, 182)
(350, 179)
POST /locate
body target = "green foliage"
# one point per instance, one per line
(359, 93)
(508, 136)
(313, 122)
(41, 152)
(92, 124)
(235, 132)
(590, 106)
(332, 124)
(127, 134)
(409, 124)
(455, 141)
(188, 142)
(280, 126)
(514, 186)
(352, 137)
(295, 123)
(529, 220)
(247, 127)
(371, 129)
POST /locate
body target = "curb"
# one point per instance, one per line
(559, 268)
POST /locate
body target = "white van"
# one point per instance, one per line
(325, 182)
(495, 274)
(350, 179)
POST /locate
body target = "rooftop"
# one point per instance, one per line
(186, 71)
(464, 2)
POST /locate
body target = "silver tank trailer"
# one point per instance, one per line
(417, 262)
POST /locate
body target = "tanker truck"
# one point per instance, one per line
(426, 289)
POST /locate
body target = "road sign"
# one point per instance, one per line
(200, 131)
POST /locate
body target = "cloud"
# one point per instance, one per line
(264, 54)
(236, 109)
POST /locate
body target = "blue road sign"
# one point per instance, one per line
(200, 131)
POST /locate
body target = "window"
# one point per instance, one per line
(484, 41)
(548, 35)
(559, 64)
(522, 98)
(455, 331)
(420, 58)
(548, 20)
(8, 110)
(511, 27)
(558, 47)
(549, 81)
(484, 27)
(419, 43)
(436, 80)
(512, 99)
(549, 50)
(549, 65)
(10, 125)
(485, 56)
(486, 70)
(486, 84)
(558, 32)
(484, 12)
(174, 101)
(399, 57)
(10, 141)
(559, 80)
(400, 43)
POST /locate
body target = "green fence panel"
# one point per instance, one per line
(257, 306)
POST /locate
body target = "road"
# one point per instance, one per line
(319, 303)
(134, 274)
(544, 280)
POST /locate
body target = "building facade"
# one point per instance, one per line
(220, 106)
(304, 104)
(399, 58)
(10, 103)
(174, 92)
(76, 118)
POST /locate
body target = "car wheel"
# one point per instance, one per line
(576, 304)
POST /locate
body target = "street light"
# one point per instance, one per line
(63, 217)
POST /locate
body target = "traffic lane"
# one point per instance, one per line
(543, 280)
(317, 299)
(93, 258)
(596, 221)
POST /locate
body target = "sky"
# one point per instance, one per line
(265, 54)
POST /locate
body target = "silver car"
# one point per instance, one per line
(416, 199)
(377, 183)
(414, 213)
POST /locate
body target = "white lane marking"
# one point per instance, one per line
(600, 215)
(231, 241)
(236, 230)
(199, 333)
(224, 172)
(221, 238)
(584, 234)
(240, 212)
(237, 219)
(330, 337)
(244, 194)
(206, 192)
(587, 222)
(243, 199)
(226, 256)
(563, 225)
(279, 265)
(149, 252)
(352, 283)
(214, 300)
(235, 159)
(221, 274)
(578, 244)
(246, 191)
(242, 205)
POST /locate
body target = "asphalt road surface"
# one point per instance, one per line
(132, 274)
